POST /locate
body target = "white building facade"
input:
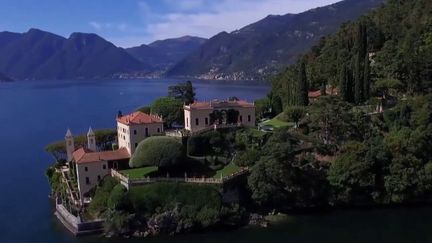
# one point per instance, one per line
(135, 127)
(90, 165)
(202, 115)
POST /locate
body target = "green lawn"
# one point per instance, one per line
(139, 172)
(230, 169)
(275, 122)
(256, 132)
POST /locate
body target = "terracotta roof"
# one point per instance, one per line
(84, 155)
(314, 94)
(329, 91)
(210, 105)
(139, 118)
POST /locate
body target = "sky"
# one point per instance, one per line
(128, 23)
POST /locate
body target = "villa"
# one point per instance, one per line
(202, 115)
(92, 165)
(135, 127)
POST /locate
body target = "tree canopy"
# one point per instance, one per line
(185, 92)
(157, 151)
(393, 42)
(104, 140)
(170, 109)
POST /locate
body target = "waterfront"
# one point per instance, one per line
(33, 114)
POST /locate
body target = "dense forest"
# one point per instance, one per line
(352, 152)
(390, 47)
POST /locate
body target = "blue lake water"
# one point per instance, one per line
(33, 114)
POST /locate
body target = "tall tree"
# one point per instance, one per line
(170, 109)
(183, 91)
(303, 86)
(366, 78)
(361, 46)
(343, 85)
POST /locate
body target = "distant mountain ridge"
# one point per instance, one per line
(38, 54)
(163, 54)
(265, 47)
(256, 51)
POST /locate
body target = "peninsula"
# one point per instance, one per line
(348, 125)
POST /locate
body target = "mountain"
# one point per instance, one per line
(4, 78)
(265, 47)
(384, 53)
(163, 54)
(37, 54)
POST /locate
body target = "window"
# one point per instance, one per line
(241, 118)
(87, 181)
(146, 132)
(249, 118)
(86, 168)
(104, 167)
(158, 130)
(206, 121)
(187, 122)
(197, 121)
(70, 143)
(99, 177)
(136, 145)
(135, 132)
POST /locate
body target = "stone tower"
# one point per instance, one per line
(70, 145)
(91, 140)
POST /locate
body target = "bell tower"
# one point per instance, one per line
(70, 145)
(91, 140)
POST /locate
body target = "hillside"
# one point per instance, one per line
(395, 40)
(38, 54)
(163, 54)
(263, 48)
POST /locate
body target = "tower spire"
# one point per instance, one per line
(70, 144)
(91, 140)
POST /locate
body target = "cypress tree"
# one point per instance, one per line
(366, 77)
(358, 81)
(303, 86)
(343, 82)
(361, 44)
(349, 84)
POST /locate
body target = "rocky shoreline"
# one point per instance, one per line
(170, 223)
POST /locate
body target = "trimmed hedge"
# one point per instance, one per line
(157, 151)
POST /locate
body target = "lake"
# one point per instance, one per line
(35, 113)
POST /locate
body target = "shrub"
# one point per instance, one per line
(117, 198)
(99, 202)
(294, 114)
(197, 145)
(199, 205)
(158, 151)
(248, 157)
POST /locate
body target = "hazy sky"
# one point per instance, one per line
(133, 22)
